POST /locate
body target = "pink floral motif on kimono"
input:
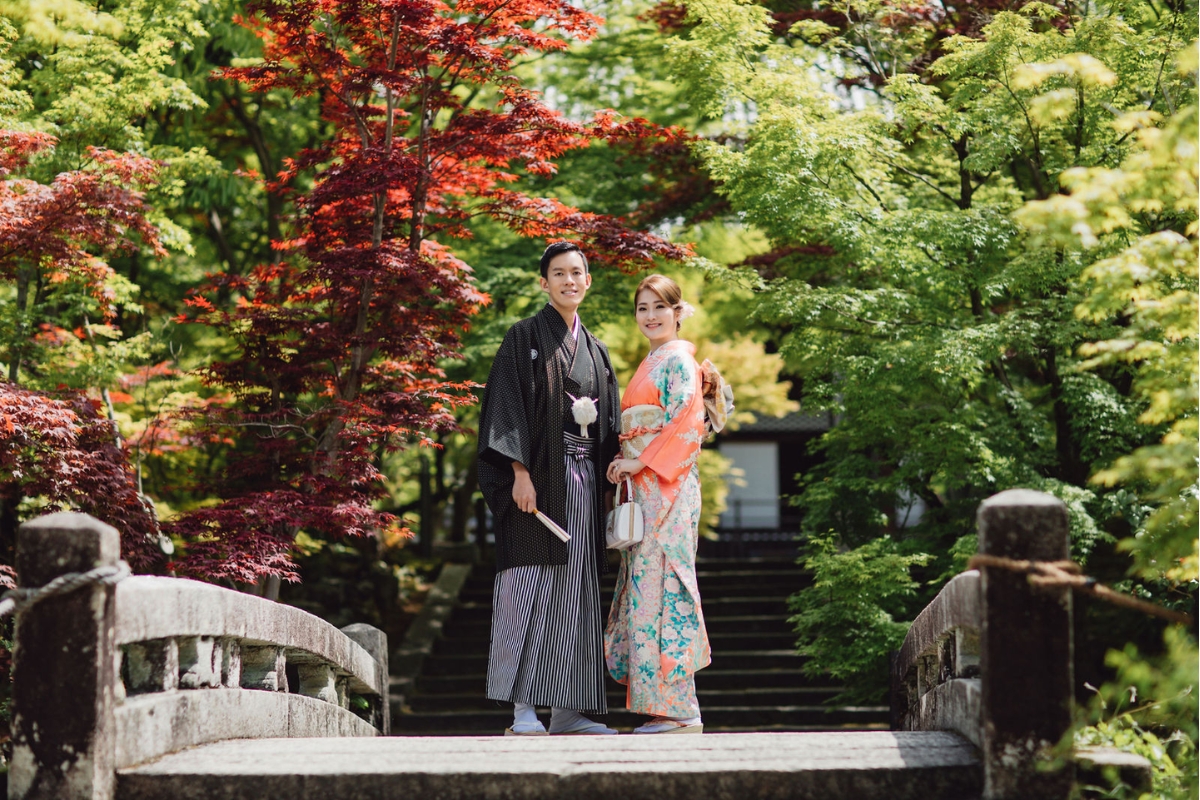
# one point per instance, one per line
(655, 639)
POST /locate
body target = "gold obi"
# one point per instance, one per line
(639, 426)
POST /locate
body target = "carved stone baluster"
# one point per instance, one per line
(318, 680)
(966, 653)
(264, 668)
(199, 662)
(151, 666)
(231, 663)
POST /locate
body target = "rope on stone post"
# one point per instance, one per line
(15, 600)
(1069, 575)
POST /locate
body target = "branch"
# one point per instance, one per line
(858, 178)
(924, 180)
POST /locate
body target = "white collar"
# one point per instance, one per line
(575, 327)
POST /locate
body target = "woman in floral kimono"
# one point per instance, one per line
(655, 638)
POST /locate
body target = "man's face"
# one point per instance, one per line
(566, 281)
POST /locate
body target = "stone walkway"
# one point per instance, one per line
(755, 683)
(739, 766)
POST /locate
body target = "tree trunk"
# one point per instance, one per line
(463, 509)
(9, 521)
(428, 525)
(1070, 466)
(14, 362)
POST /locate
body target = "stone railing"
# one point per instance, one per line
(106, 676)
(935, 675)
(992, 658)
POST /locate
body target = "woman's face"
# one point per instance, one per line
(655, 318)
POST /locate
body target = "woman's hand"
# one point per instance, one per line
(611, 473)
(523, 493)
(627, 468)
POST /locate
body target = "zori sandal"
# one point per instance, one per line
(669, 725)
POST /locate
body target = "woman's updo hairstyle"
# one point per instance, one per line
(667, 290)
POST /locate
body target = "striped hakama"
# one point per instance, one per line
(547, 647)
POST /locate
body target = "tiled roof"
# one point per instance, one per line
(796, 422)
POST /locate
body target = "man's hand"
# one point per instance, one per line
(524, 495)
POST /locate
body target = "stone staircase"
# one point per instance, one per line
(754, 683)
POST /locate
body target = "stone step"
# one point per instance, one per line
(755, 669)
(713, 608)
(721, 641)
(485, 572)
(712, 730)
(709, 589)
(782, 586)
(726, 564)
(464, 664)
(873, 765)
(739, 574)
(494, 720)
(481, 626)
(725, 679)
(756, 697)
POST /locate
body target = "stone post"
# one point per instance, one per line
(63, 665)
(1026, 650)
(374, 641)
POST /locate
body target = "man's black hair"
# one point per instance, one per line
(557, 249)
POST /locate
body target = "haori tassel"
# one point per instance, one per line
(584, 412)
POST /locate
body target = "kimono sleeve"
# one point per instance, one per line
(676, 448)
(504, 435)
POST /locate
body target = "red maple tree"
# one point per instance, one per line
(54, 445)
(340, 345)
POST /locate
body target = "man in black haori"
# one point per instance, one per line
(547, 430)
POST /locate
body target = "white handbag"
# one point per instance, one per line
(625, 523)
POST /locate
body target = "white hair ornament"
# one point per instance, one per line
(685, 310)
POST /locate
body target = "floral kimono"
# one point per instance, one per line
(655, 638)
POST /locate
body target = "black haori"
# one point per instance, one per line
(546, 640)
(536, 370)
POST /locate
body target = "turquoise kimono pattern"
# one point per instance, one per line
(655, 639)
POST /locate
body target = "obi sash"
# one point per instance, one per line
(639, 426)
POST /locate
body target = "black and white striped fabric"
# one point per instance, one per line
(546, 645)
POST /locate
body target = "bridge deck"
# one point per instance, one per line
(738, 766)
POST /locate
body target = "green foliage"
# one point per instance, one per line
(1148, 204)
(980, 250)
(1150, 710)
(93, 76)
(137, 77)
(622, 68)
(847, 619)
(916, 298)
(1142, 295)
(716, 473)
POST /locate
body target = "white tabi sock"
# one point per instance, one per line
(525, 719)
(565, 720)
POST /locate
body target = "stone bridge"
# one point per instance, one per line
(157, 688)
